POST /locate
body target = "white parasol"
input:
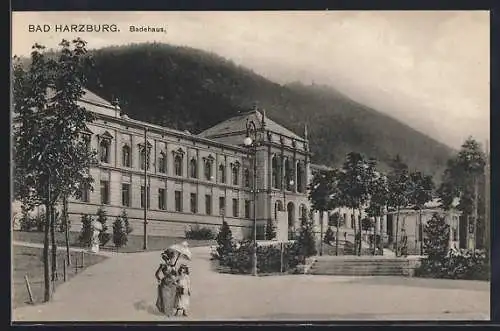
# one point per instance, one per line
(182, 250)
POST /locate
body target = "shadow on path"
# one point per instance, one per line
(149, 308)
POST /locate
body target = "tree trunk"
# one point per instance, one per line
(396, 235)
(355, 232)
(66, 229)
(360, 229)
(46, 270)
(321, 234)
(475, 212)
(337, 237)
(421, 232)
(54, 244)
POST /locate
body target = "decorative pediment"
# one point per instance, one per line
(178, 151)
(209, 159)
(105, 136)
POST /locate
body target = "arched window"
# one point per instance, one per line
(178, 164)
(300, 177)
(126, 156)
(303, 213)
(290, 208)
(208, 168)
(104, 150)
(143, 158)
(274, 165)
(288, 175)
(222, 173)
(193, 173)
(162, 163)
(278, 206)
(235, 173)
(246, 177)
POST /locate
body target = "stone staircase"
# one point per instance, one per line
(362, 266)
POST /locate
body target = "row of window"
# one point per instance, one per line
(144, 162)
(289, 171)
(162, 200)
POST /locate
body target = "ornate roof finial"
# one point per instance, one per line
(305, 131)
(263, 117)
(255, 105)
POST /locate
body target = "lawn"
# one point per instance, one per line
(28, 261)
(134, 244)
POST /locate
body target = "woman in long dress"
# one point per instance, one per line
(167, 277)
(183, 291)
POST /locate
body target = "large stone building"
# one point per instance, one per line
(193, 179)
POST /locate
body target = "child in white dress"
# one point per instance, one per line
(183, 290)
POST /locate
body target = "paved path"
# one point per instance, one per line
(123, 288)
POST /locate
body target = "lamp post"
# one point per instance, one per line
(251, 129)
(290, 183)
(146, 197)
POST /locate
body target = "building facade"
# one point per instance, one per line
(176, 180)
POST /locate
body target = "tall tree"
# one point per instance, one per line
(51, 157)
(324, 194)
(354, 185)
(420, 192)
(462, 178)
(399, 187)
(379, 195)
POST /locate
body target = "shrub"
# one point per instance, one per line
(435, 247)
(85, 237)
(306, 240)
(268, 258)
(270, 229)
(119, 233)
(126, 223)
(329, 236)
(199, 233)
(224, 240)
(104, 236)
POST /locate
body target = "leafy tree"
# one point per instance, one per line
(462, 179)
(126, 222)
(119, 233)
(224, 240)
(306, 240)
(51, 158)
(104, 236)
(399, 184)
(324, 194)
(85, 237)
(270, 230)
(379, 194)
(354, 184)
(420, 192)
(436, 244)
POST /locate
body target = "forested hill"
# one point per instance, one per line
(190, 89)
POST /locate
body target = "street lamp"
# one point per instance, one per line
(251, 129)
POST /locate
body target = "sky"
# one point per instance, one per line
(428, 69)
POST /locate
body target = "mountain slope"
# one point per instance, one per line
(190, 89)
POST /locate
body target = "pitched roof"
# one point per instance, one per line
(237, 124)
